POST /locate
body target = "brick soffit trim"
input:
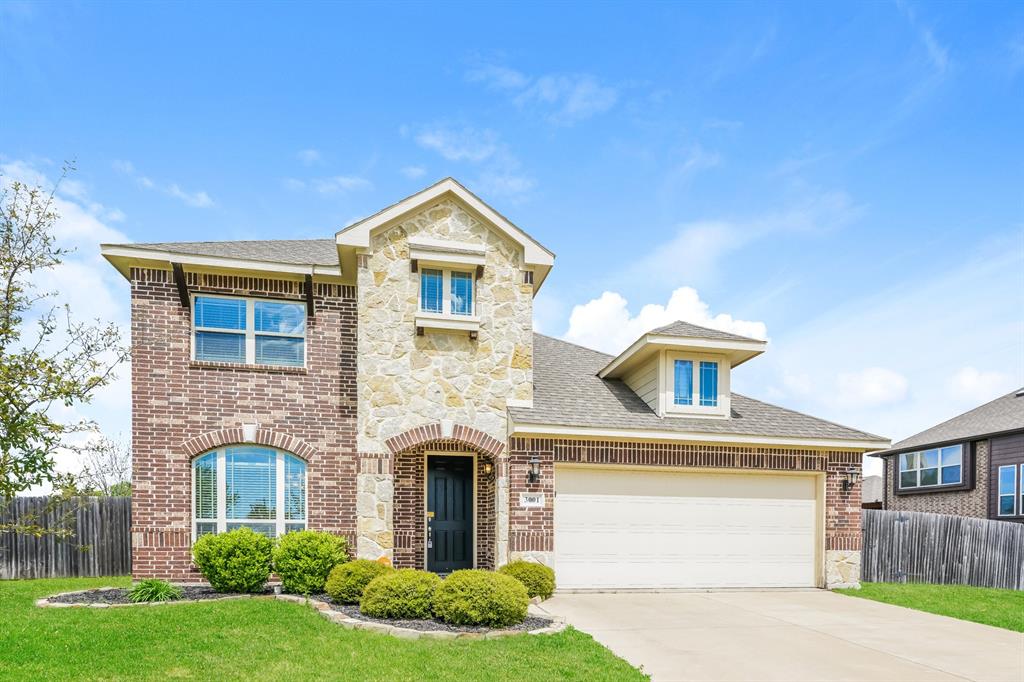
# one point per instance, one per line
(275, 439)
(460, 433)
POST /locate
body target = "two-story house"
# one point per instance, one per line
(386, 385)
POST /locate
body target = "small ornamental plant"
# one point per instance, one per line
(153, 590)
(347, 581)
(405, 593)
(303, 559)
(475, 597)
(236, 561)
(538, 579)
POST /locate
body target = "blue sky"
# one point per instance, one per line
(847, 180)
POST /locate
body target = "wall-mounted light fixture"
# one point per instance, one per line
(488, 468)
(533, 475)
(850, 479)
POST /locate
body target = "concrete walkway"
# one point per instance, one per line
(790, 636)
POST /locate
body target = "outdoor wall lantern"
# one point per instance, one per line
(850, 480)
(488, 468)
(534, 473)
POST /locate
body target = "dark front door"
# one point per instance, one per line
(449, 513)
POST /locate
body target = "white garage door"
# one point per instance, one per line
(653, 529)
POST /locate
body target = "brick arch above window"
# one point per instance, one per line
(432, 433)
(275, 439)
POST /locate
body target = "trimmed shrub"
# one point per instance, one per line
(405, 593)
(236, 561)
(154, 589)
(347, 581)
(476, 597)
(303, 559)
(538, 579)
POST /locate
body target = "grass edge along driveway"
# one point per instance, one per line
(985, 605)
(260, 639)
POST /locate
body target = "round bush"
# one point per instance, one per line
(538, 579)
(481, 598)
(346, 582)
(236, 561)
(303, 559)
(405, 593)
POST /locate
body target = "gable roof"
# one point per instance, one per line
(687, 330)
(567, 392)
(1005, 413)
(294, 251)
(357, 235)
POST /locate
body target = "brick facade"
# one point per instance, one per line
(181, 408)
(973, 503)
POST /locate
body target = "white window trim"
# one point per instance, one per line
(1018, 478)
(446, 293)
(280, 522)
(249, 332)
(939, 466)
(724, 405)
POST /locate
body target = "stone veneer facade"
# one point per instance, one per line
(407, 380)
(182, 408)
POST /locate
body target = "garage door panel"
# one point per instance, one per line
(610, 533)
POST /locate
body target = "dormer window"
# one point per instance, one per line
(689, 389)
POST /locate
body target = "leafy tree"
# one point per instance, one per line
(47, 358)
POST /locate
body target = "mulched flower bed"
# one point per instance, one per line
(431, 625)
(119, 595)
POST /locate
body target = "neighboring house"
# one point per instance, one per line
(971, 465)
(386, 385)
(871, 493)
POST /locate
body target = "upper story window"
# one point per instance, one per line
(258, 487)
(1010, 501)
(690, 389)
(249, 331)
(935, 467)
(446, 292)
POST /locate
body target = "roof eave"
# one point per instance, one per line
(124, 257)
(737, 351)
(948, 441)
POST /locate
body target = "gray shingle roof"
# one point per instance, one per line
(1002, 414)
(291, 251)
(568, 392)
(692, 331)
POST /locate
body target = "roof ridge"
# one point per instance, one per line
(700, 326)
(810, 416)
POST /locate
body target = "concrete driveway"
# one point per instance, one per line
(810, 635)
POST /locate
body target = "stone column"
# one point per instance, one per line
(375, 495)
(501, 501)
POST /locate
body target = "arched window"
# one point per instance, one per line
(245, 485)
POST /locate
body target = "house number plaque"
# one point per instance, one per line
(531, 499)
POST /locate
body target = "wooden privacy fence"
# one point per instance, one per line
(100, 543)
(915, 547)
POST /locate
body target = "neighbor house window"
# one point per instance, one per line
(249, 331)
(699, 389)
(1008, 500)
(935, 467)
(448, 292)
(256, 487)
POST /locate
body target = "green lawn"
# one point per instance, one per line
(1001, 608)
(260, 639)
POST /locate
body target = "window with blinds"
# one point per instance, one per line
(256, 487)
(448, 292)
(249, 331)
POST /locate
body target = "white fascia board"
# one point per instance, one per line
(554, 430)
(358, 234)
(734, 349)
(468, 323)
(111, 253)
(444, 252)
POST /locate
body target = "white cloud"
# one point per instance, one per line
(196, 199)
(341, 183)
(938, 54)
(974, 386)
(91, 288)
(606, 324)
(308, 156)
(413, 172)
(870, 387)
(566, 98)
(464, 144)
(294, 184)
